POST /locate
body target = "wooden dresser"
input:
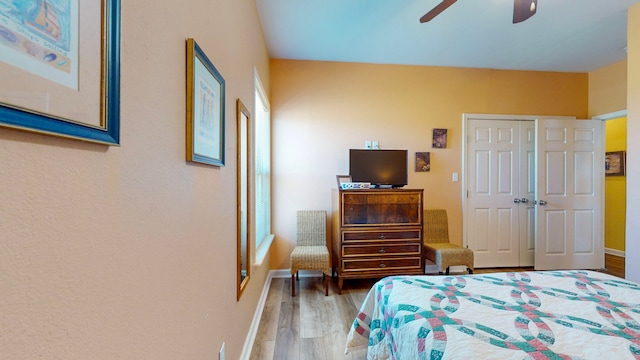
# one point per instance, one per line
(376, 233)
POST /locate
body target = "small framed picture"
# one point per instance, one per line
(343, 179)
(423, 161)
(439, 138)
(614, 162)
(205, 108)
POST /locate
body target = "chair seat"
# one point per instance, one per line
(447, 254)
(310, 258)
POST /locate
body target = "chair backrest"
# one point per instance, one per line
(312, 227)
(436, 226)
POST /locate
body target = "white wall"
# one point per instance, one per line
(632, 271)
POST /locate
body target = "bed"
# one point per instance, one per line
(522, 315)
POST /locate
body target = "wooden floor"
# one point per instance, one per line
(314, 326)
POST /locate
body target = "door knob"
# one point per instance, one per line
(542, 202)
(516, 200)
(524, 200)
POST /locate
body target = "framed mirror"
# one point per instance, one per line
(243, 126)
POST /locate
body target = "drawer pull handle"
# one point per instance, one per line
(382, 265)
(381, 251)
(381, 237)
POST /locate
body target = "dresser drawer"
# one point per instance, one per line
(381, 207)
(382, 249)
(381, 264)
(382, 235)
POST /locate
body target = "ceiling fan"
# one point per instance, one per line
(522, 10)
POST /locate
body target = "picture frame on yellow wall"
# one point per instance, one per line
(423, 161)
(205, 108)
(439, 138)
(614, 163)
(60, 69)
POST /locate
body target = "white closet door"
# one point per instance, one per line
(570, 163)
(493, 172)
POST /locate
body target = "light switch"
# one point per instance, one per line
(375, 145)
(454, 177)
(367, 144)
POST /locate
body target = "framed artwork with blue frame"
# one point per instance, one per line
(55, 81)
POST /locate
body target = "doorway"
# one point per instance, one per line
(532, 191)
(615, 185)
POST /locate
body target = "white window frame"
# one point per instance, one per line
(262, 176)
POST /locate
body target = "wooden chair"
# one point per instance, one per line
(437, 247)
(311, 252)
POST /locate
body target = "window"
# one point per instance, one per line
(262, 171)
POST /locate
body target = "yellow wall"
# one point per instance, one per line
(608, 89)
(130, 252)
(615, 189)
(321, 109)
(632, 244)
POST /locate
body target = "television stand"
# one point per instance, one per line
(376, 233)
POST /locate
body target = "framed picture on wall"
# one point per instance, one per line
(423, 161)
(205, 108)
(439, 138)
(60, 68)
(614, 163)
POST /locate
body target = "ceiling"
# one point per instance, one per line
(564, 35)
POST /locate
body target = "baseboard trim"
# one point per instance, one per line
(432, 268)
(458, 269)
(615, 252)
(282, 273)
(257, 315)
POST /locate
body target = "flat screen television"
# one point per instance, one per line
(381, 168)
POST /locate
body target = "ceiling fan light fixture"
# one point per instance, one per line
(436, 10)
(524, 9)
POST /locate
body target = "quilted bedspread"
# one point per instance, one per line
(526, 315)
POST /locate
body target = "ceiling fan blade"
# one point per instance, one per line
(437, 10)
(524, 9)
